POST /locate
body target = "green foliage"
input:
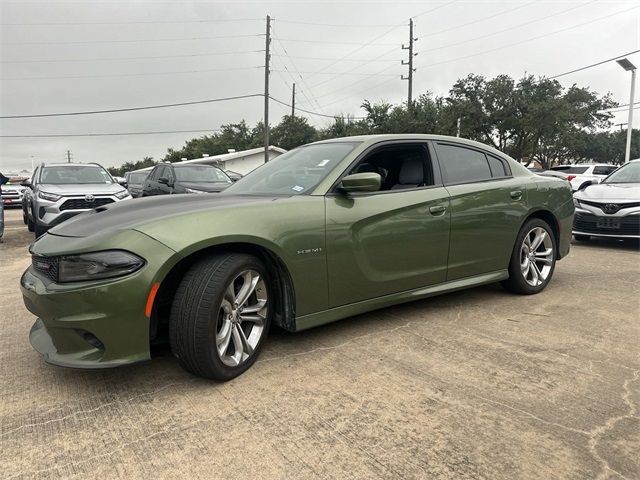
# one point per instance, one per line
(129, 166)
(534, 118)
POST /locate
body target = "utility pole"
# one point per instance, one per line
(627, 150)
(293, 101)
(267, 57)
(68, 156)
(458, 128)
(410, 64)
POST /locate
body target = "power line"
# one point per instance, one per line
(309, 111)
(142, 40)
(352, 25)
(504, 12)
(337, 58)
(56, 135)
(134, 22)
(112, 59)
(593, 65)
(513, 44)
(323, 72)
(116, 75)
(334, 42)
(512, 27)
(131, 109)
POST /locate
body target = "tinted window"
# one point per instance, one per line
(154, 175)
(136, 178)
(497, 166)
(604, 170)
(461, 165)
(570, 169)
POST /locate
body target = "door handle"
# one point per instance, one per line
(516, 194)
(437, 209)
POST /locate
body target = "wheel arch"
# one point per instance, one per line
(283, 285)
(548, 217)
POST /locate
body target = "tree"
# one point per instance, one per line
(292, 132)
(130, 166)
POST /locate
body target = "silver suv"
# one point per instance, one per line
(59, 191)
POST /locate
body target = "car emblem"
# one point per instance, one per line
(610, 207)
(89, 198)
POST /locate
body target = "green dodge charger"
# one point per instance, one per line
(326, 231)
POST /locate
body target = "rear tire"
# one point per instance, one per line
(533, 259)
(221, 315)
(582, 238)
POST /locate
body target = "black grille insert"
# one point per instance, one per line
(83, 204)
(629, 225)
(47, 266)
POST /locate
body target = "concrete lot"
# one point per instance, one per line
(476, 384)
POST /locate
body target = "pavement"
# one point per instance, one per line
(474, 384)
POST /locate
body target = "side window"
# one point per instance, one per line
(497, 166)
(604, 169)
(168, 172)
(155, 175)
(462, 165)
(400, 166)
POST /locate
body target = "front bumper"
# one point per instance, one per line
(592, 221)
(97, 324)
(50, 214)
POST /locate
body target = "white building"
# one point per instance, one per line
(241, 162)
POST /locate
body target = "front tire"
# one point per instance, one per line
(221, 315)
(533, 259)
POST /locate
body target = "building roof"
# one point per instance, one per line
(233, 155)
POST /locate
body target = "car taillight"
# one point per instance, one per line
(570, 177)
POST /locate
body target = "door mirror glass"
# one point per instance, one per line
(26, 183)
(361, 182)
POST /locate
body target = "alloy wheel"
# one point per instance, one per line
(536, 256)
(241, 318)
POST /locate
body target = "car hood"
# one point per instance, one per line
(610, 192)
(206, 186)
(136, 213)
(82, 189)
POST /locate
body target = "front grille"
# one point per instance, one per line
(611, 207)
(47, 266)
(82, 204)
(629, 225)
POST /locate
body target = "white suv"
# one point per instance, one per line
(580, 173)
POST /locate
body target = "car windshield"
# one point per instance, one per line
(293, 173)
(73, 174)
(201, 174)
(629, 173)
(137, 178)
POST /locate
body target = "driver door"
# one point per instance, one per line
(393, 240)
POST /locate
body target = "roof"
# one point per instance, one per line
(72, 164)
(230, 156)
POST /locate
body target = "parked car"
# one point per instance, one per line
(12, 193)
(610, 208)
(59, 191)
(553, 173)
(579, 174)
(234, 176)
(135, 182)
(170, 178)
(323, 232)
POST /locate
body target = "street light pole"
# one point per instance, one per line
(628, 66)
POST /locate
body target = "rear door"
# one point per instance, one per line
(393, 240)
(487, 208)
(151, 183)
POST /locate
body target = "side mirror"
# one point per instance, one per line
(585, 185)
(123, 182)
(163, 180)
(361, 182)
(26, 183)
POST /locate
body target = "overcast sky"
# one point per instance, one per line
(106, 50)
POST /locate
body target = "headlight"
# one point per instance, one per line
(576, 202)
(121, 195)
(52, 197)
(191, 190)
(98, 265)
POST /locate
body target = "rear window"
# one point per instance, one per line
(570, 169)
(462, 165)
